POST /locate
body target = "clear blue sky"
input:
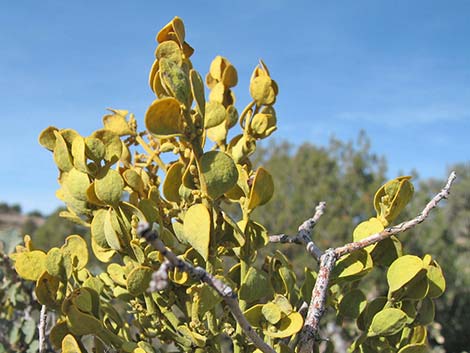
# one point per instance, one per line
(398, 69)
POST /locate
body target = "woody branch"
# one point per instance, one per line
(316, 308)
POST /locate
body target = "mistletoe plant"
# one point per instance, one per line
(181, 269)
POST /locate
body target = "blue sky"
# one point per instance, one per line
(398, 69)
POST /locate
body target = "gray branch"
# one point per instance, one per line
(304, 234)
(399, 228)
(42, 329)
(227, 294)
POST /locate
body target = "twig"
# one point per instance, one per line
(388, 232)
(316, 308)
(304, 233)
(227, 294)
(42, 329)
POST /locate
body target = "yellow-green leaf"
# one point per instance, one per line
(262, 189)
(403, 270)
(134, 180)
(229, 76)
(112, 144)
(169, 50)
(54, 262)
(197, 339)
(287, 327)
(387, 322)
(271, 313)
(139, 279)
(70, 345)
(97, 228)
(215, 114)
(77, 184)
(47, 138)
(262, 90)
(80, 323)
(57, 334)
(219, 171)
(355, 264)
(387, 251)
(172, 182)
(437, 282)
(176, 81)
(94, 148)
(112, 231)
(254, 315)
(76, 249)
(425, 315)
(46, 289)
(197, 229)
(62, 156)
(30, 264)
(102, 254)
(366, 228)
(197, 88)
(163, 118)
(117, 122)
(263, 124)
(392, 198)
(108, 187)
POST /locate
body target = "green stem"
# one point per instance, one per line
(244, 267)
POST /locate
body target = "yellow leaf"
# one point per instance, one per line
(30, 265)
(197, 229)
(76, 249)
(112, 144)
(70, 345)
(366, 228)
(172, 182)
(47, 138)
(287, 327)
(163, 118)
(262, 189)
(262, 91)
(403, 270)
(117, 123)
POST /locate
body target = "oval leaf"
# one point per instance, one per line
(172, 182)
(403, 270)
(139, 279)
(163, 118)
(31, 264)
(197, 229)
(262, 189)
(219, 172)
(387, 322)
(288, 326)
(108, 188)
